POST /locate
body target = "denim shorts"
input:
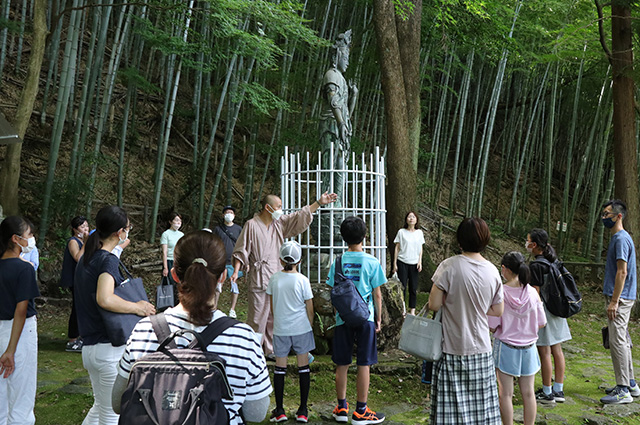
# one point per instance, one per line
(301, 344)
(366, 346)
(516, 361)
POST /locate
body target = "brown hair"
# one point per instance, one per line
(473, 234)
(197, 280)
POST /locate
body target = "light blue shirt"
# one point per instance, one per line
(33, 257)
(366, 273)
(620, 248)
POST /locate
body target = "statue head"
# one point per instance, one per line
(341, 55)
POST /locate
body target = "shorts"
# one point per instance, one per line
(516, 361)
(301, 344)
(234, 286)
(365, 340)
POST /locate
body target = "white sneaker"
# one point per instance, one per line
(635, 391)
(232, 314)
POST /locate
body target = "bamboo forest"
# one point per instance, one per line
(506, 111)
(521, 113)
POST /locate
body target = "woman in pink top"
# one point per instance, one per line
(516, 333)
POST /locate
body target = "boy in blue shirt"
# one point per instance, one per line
(367, 275)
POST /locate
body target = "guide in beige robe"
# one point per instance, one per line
(257, 250)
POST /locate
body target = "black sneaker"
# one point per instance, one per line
(543, 398)
(302, 415)
(278, 415)
(74, 346)
(558, 396)
(369, 417)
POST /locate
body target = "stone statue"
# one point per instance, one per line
(335, 121)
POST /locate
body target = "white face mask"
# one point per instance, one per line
(31, 243)
(275, 214)
(528, 247)
(126, 236)
(228, 218)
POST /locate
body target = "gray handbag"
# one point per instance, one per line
(421, 336)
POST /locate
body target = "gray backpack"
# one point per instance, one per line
(178, 386)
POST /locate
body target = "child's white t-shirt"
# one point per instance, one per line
(289, 292)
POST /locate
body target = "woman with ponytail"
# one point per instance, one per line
(199, 263)
(516, 332)
(18, 329)
(97, 274)
(551, 337)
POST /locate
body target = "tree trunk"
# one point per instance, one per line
(409, 32)
(10, 171)
(401, 193)
(624, 122)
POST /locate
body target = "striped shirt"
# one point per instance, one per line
(238, 346)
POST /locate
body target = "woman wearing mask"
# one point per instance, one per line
(199, 264)
(18, 329)
(551, 337)
(72, 254)
(407, 258)
(467, 288)
(168, 241)
(97, 274)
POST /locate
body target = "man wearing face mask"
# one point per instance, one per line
(257, 253)
(229, 233)
(620, 294)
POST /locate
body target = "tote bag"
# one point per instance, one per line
(421, 336)
(120, 325)
(164, 295)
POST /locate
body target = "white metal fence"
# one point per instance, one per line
(363, 195)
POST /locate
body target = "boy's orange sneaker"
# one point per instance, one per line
(341, 414)
(366, 418)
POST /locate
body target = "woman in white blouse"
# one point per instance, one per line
(407, 258)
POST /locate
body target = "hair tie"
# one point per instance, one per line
(200, 260)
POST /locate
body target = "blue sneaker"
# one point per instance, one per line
(619, 395)
(310, 357)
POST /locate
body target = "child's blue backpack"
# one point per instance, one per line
(346, 299)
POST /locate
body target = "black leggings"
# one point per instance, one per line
(409, 272)
(72, 329)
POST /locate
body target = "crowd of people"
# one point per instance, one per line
(472, 383)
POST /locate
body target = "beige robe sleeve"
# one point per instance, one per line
(243, 248)
(295, 223)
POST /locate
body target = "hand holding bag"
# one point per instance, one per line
(120, 325)
(164, 295)
(421, 336)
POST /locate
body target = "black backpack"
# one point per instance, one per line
(347, 300)
(559, 291)
(183, 386)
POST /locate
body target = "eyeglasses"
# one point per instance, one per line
(606, 214)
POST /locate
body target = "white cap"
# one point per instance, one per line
(291, 252)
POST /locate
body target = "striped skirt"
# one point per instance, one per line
(464, 391)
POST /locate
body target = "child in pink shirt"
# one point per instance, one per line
(516, 333)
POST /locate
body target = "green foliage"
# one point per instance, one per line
(133, 76)
(404, 8)
(11, 26)
(249, 28)
(262, 99)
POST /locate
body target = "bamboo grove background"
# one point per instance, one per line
(515, 96)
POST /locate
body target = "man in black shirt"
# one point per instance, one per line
(229, 232)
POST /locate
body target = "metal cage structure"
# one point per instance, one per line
(363, 194)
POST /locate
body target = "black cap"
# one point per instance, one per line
(229, 207)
